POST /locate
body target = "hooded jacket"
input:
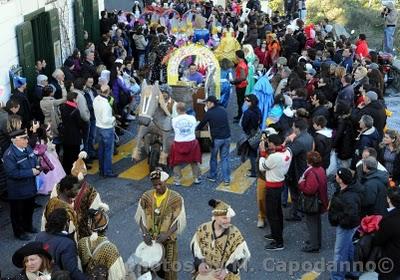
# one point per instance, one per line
(391, 18)
(323, 145)
(343, 142)
(374, 193)
(368, 138)
(345, 207)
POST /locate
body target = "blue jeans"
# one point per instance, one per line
(344, 252)
(142, 57)
(221, 145)
(388, 39)
(105, 138)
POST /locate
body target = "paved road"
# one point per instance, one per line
(122, 194)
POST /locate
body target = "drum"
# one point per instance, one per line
(149, 256)
(208, 276)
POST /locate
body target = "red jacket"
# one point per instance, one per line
(314, 181)
(362, 48)
(242, 66)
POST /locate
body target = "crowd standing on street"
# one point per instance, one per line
(311, 108)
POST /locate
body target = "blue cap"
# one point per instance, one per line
(19, 81)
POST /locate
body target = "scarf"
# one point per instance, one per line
(72, 104)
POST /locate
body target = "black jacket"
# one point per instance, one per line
(388, 238)
(323, 145)
(377, 111)
(72, 125)
(374, 193)
(217, 119)
(345, 207)
(344, 139)
(25, 107)
(251, 120)
(89, 70)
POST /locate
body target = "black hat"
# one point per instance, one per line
(345, 175)
(212, 99)
(18, 133)
(32, 248)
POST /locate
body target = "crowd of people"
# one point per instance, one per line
(311, 107)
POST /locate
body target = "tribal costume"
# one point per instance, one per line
(228, 251)
(55, 203)
(158, 214)
(210, 249)
(101, 252)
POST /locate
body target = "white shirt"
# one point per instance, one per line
(103, 113)
(276, 165)
(184, 127)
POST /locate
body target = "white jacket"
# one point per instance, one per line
(103, 113)
(276, 165)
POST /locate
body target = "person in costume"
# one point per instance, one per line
(34, 260)
(227, 47)
(161, 216)
(251, 61)
(226, 78)
(68, 188)
(218, 246)
(86, 198)
(97, 250)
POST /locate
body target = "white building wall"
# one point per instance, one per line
(12, 13)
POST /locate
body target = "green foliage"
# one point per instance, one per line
(276, 5)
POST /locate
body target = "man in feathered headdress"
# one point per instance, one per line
(218, 246)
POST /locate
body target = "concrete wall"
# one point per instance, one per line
(12, 13)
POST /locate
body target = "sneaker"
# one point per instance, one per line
(227, 183)
(130, 117)
(273, 246)
(197, 181)
(211, 179)
(260, 223)
(269, 237)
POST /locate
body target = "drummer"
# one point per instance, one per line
(161, 216)
(218, 247)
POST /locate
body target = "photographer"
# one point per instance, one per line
(389, 14)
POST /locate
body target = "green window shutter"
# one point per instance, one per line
(54, 25)
(96, 21)
(26, 52)
(79, 24)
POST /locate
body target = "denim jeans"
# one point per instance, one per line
(221, 145)
(388, 39)
(285, 195)
(89, 148)
(142, 57)
(105, 138)
(344, 252)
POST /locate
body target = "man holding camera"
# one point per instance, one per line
(389, 14)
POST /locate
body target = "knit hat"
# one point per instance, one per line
(345, 175)
(32, 248)
(79, 167)
(19, 81)
(372, 95)
(311, 71)
(159, 174)
(221, 208)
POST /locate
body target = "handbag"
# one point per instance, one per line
(309, 204)
(254, 139)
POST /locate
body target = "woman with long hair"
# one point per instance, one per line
(251, 124)
(314, 183)
(34, 260)
(389, 154)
